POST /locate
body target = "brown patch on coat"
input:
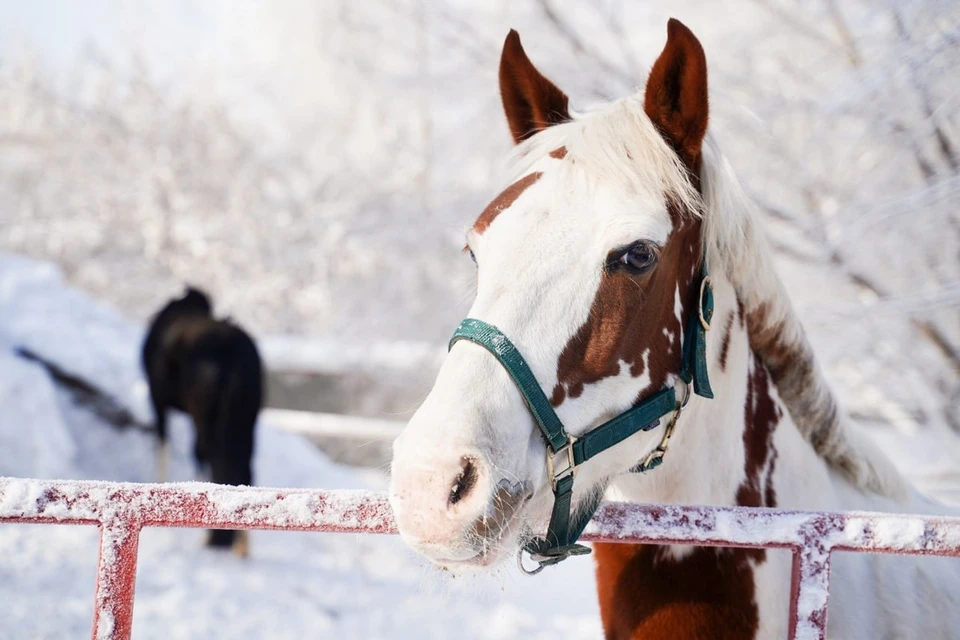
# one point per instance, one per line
(631, 317)
(530, 101)
(646, 593)
(725, 342)
(761, 417)
(504, 200)
(559, 153)
(559, 395)
(709, 593)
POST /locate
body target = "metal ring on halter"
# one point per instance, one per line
(529, 572)
(706, 282)
(686, 394)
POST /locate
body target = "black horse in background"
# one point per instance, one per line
(211, 370)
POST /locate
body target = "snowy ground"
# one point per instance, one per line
(294, 585)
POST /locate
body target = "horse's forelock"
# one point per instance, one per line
(616, 144)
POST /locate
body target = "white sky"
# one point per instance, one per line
(57, 30)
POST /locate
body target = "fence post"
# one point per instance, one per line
(810, 584)
(116, 579)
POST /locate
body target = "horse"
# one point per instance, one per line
(211, 370)
(622, 277)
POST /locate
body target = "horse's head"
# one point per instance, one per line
(589, 263)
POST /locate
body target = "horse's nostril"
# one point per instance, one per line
(465, 481)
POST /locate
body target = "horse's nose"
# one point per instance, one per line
(435, 500)
(464, 483)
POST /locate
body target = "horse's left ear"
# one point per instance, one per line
(530, 100)
(676, 95)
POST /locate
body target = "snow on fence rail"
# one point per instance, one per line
(122, 510)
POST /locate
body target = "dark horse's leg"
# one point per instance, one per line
(231, 438)
(205, 405)
(160, 426)
(201, 450)
(231, 471)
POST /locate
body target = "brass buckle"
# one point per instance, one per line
(661, 449)
(555, 472)
(703, 287)
(687, 392)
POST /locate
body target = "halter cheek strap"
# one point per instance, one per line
(565, 453)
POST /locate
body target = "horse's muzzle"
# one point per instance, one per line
(456, 513)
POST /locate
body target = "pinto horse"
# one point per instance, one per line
(211, 370)
(593, 265)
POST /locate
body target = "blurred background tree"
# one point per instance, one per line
(315, 164)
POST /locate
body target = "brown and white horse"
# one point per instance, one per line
(588, 261)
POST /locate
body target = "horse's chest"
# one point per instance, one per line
(649, 592)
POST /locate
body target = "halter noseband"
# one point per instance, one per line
(565, 453)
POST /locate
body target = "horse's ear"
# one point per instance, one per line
(530, 100)
(197, 298)
(676, 96)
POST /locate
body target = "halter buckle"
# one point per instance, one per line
(559, 466)
(704, 322)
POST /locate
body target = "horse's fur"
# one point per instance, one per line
(600, 338)
(736, 244)
(619, 143)
(211, 370)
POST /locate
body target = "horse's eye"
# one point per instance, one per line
(472, 257)
(639, 257)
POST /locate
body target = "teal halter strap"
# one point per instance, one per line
(564, 452)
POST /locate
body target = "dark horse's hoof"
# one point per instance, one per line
(237, 541)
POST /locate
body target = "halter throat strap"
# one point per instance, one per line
(565, 453)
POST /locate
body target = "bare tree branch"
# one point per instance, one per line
(843, 30)
(567, 30)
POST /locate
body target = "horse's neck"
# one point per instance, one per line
(741, 447)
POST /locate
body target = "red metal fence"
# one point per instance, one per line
(122, 510)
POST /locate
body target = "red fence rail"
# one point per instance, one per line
(122, 510)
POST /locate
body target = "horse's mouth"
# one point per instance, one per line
(494, 535)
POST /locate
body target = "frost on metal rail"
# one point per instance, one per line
(122, 510)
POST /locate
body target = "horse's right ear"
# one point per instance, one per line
(530, 100)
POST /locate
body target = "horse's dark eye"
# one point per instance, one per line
(472, 257)
(639, 257)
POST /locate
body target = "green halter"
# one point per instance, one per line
(565, 453)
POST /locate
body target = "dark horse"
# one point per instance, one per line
(211, 370)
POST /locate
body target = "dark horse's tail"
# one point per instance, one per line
(230, 431)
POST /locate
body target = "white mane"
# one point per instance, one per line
(619, 143)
